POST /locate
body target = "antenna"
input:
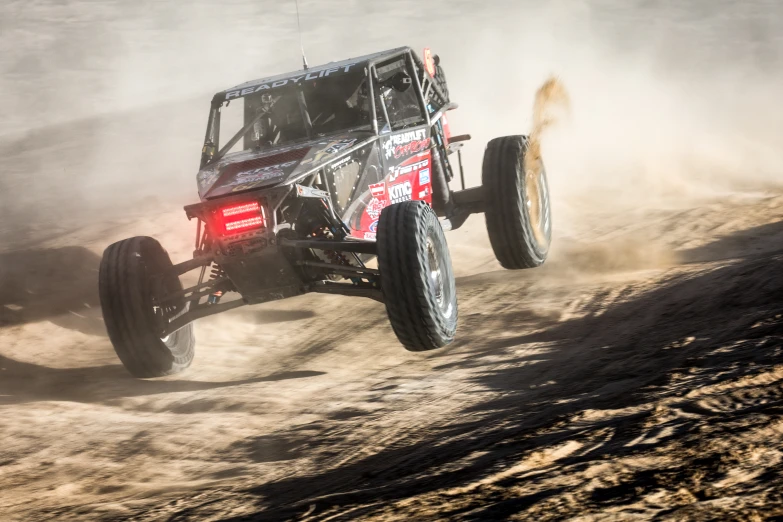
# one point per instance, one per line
(301, 44)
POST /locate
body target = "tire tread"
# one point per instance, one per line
(413, 310)
(127, 313)
(508, 223)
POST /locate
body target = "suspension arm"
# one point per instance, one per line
(187, 266)
(327, 287)
(198, 312)
(193, 293)
(341, 269)
(359, 247)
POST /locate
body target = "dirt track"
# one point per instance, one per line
(638, 374)
(642, 390)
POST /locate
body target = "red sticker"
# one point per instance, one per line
(378, 190)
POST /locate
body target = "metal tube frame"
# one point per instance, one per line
(370, 290)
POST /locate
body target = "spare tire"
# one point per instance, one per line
(133, 277)
(440, 78)
(518, 211)
(417, 280)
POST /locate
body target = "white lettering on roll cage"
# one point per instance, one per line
(239, 93)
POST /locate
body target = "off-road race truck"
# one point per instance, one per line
(325, 170)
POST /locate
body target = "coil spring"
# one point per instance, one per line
(216, 272)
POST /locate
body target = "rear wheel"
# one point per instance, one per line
(416, 276)
(132, 281)
(518, 212)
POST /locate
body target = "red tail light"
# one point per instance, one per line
(244, 208)
(244, 224)
(245, 216)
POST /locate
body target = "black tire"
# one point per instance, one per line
(131, 275)
(518, 211)
(440, 81)
(416, 276)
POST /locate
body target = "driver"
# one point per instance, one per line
(264, 130)
(360, 99)
(333, 111)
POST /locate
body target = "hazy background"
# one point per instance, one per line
(105, 102)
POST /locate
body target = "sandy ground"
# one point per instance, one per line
(637, 375)
(650, 388)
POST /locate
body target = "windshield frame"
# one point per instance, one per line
(211, 155)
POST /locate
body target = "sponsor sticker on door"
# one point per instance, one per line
(400, 192)
(378, 190)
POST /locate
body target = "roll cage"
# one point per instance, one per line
(432, 104)
(430, 98)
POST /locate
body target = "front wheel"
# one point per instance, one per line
(518, 212)
(133, 280)
(417, 280)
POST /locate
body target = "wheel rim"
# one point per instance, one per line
(438, 275)
(156, 288)
(434, 273)
(535, 201)
(158, 311)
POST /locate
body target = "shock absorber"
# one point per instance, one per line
(336, 257)
(216, 272)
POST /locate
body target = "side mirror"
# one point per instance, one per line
(400, 82)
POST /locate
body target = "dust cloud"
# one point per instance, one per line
(550, 105)
(106, 105)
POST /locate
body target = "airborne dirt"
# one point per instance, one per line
(638, 374)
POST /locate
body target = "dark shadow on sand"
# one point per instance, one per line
(23, 382)
(55, 284)
(713, 326)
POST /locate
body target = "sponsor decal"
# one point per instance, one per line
(259, 175)
(337, 146)
(400, 192)
(330, 147)
(310, 192)
(369, 235)
(375, 207)
(262, 174)
(423, 194)
(374, 226)
(406, 143)
(424, 176)
(411, 148)
(247, 186)
(206, 178)
(340, 163)
(293, 80)
(396, 172)
(378, 189)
